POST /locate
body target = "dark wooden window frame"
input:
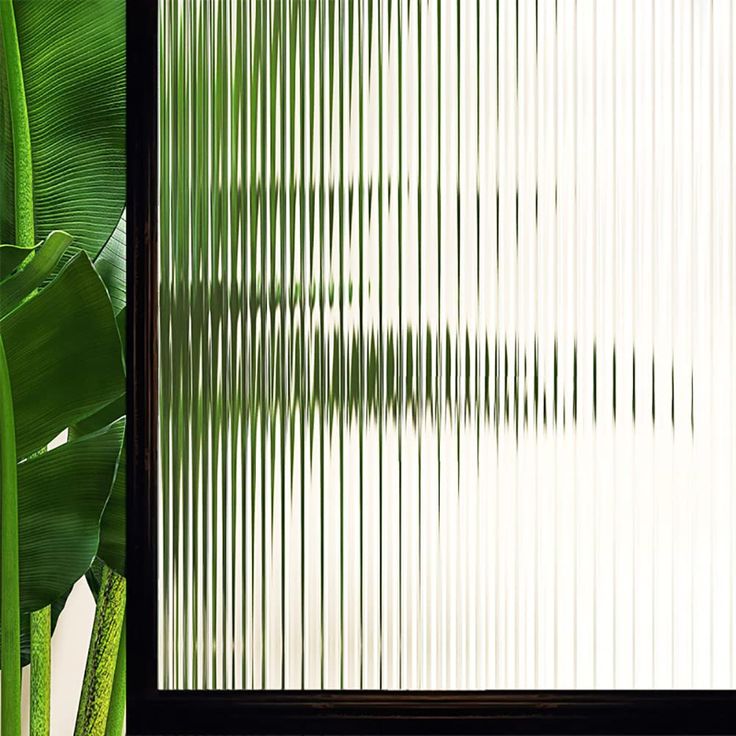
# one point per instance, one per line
(152, 711)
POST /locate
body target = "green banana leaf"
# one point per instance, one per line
(61, 497)
(61, 338)
(110, 264)
(33, 271)
(63, 493)
(64, 355)
(58, 539)
(12, 256)
(73, 57)
(112, 528)
(94, 576)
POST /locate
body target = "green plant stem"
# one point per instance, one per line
(116, 712)
(99, 674)
(23, 165)
(24, 235)
(9, 589)
(41, 672)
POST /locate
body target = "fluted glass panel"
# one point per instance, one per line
(447, 344)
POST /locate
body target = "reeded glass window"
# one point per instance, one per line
(447, 344)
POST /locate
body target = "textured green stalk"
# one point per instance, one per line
(10, 609)
(41, 672)
(99, 673)
(116, 712)
(24, 231)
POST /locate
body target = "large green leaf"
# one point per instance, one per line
(109, 413)
(64, 355)
(110, 264)
(34, 271)
(12, 256)
(112, 528)
(73, 57)
(61, 497)
(94, 576)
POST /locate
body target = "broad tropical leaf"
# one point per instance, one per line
(110, 264)
(73, 57)
(61, 497)
(108, 414)
(33, 271)
(63, 354)
(94, 576)
(12, 256)
(112, 527)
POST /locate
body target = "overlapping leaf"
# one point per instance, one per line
(64, 355)
(12, 256)
(33, 271)
(61, 497)
(112, 527)
(110, 264)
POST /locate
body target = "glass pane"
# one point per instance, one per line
(447, 346)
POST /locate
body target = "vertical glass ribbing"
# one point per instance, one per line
(447, 344)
